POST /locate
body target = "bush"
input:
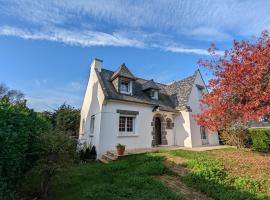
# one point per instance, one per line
(235, 136)
(20, 128)
(260, 138)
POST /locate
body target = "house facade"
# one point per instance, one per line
(119, 107)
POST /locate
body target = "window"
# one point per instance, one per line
(92, 124)
(125, 87)
(203, 133)
(154, 94)
(169, 124)
(126, 124)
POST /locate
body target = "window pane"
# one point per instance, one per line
(129, 124)
(124, 86)
(122, 123)
(92, 124)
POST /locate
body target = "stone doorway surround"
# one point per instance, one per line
(163, 130)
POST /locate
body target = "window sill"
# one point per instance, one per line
(127, 135)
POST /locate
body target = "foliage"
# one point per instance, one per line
(210, 177)
(120, 146)
(260, 138)
(235, 136)
(57, 152)
(240, 89)
(87, 153)
(11, 96)
(20, 128)
(65, 119)
(130, 177)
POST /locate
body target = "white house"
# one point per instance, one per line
(119, 107)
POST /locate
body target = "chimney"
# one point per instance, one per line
(97, 64)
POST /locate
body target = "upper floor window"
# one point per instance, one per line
(125, 87)
(92, 124)
(154, 94)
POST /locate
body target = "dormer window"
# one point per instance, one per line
(125, 87)
(122, 80)
(154, 94)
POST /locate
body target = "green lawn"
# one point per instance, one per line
(131, 177)
(227, 173)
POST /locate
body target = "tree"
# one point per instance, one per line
(57, 152)
(12, 96)
(67, 119)
(239, 89)
(20, 128)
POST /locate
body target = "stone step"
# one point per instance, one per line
(108, 158)
(103, 161)
(112, 154)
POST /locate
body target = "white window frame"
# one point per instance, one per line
(92, 124)
(154, 94)
(129, 87)
(127, 133)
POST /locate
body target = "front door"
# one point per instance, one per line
(158, 131)
(204, 136)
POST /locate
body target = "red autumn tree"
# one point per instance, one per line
(239, 89)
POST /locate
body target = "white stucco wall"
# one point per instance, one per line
(182, 129)
(194, 103)
(109, 133)
(92, 105)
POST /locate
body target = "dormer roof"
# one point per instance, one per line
(123, 71)
(150, 85)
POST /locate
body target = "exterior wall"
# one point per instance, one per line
(183, 129)
(109, 133)
(194, 103)
(92, 105)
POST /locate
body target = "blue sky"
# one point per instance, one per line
(46, 46)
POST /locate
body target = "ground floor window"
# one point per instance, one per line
(203, 133)
(126, 124)
(92, 124)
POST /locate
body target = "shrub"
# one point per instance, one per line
(260, 138)
(20, 128)
(57, 152)
(235, 136)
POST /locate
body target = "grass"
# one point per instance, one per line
(227, 173)
(221, 174)
(130, 177)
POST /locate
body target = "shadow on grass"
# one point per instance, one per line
(130, 177)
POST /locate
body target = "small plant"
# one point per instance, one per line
(120, 149)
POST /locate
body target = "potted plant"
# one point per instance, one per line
(120, 149)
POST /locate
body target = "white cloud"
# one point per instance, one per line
(193, 51)
(92, 38)
(40, 83)
(222, 18)
(72, 37)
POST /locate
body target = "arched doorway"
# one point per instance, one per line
(158, 131)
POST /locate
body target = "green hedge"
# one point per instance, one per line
(260, 138)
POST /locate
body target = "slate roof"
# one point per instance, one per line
(180, 90)
(123, 71)
(172, 97)
(150, 85)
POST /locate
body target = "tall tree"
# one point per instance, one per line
(239, 89)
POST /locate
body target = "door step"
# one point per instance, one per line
(108, 157)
